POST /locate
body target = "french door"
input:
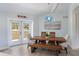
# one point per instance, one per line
(20, 31)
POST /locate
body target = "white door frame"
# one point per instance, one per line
(10, 43)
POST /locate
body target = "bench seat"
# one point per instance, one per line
(51, 47)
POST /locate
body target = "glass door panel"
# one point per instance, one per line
(15, 35)
(27, 30)
(15, 31)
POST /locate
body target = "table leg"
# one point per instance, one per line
(33, 49)
(57, 43)
(36, 41)
(66, 50)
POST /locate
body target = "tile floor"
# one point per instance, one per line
(22, 50)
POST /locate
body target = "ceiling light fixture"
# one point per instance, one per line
(52, 9)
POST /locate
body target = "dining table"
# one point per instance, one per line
(56, 40)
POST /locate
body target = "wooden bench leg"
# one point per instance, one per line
(58, 52)
(33, 49)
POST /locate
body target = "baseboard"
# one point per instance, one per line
(75, 48)
(18, 44)
(3, 48)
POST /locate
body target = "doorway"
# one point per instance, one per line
(20, 31)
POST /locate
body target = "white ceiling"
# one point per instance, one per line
(33, 8)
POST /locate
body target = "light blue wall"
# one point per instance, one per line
(36, 26)
(3, 32)
(64, 26)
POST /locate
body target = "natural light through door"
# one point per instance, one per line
(20, 31)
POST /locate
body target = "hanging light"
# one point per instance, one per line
(49, 18)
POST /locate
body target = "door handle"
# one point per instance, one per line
(20, 33)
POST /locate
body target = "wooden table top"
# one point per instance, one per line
(59, 39)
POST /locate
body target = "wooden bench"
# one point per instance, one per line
(49, 47)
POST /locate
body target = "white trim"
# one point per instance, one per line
(10, 43)
(2, 48)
